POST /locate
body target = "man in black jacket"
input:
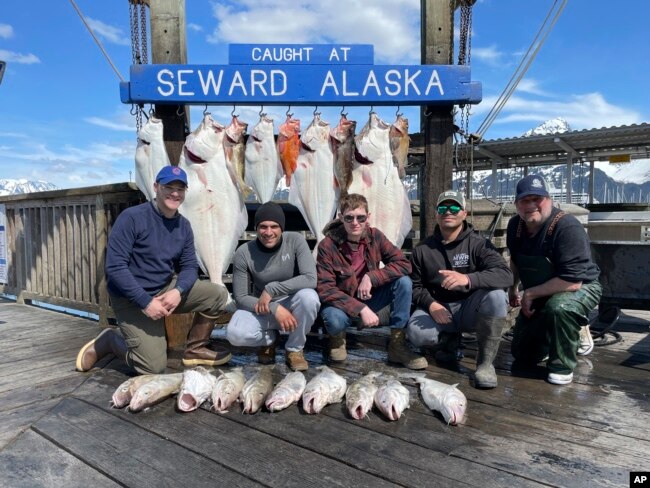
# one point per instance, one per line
(458, 285)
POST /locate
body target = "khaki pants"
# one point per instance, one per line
(145, 338)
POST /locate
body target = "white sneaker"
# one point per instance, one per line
(560, 379)
(586, 341)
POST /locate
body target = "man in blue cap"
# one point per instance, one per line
(152, 272)
(550, 255)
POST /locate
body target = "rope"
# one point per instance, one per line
(97, 41)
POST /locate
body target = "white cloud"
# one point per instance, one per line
(581, 111)
(489, 55)
(529, 85)
(108, 32)
(110, 124)
(6, 31)
(11, 56)
(194, 27)
(393, 27)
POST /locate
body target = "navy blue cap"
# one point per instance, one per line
(171, 173)
(531, 185)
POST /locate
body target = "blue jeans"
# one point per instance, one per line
(397, 294)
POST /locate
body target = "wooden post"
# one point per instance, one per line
(437, 48)
(168, 46)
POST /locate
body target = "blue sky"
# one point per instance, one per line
(62, 121)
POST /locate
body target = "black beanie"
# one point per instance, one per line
(270, 211)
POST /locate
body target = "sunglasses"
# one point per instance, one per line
(348, 219)
(454, 209)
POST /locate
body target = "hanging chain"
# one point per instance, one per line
(464, 57)
(139, 49)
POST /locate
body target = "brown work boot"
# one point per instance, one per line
(400, 353)
(266, 354)
(199, 351)
(296, 361)
(109, 341)
(337, 347)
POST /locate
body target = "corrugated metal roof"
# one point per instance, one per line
(589, 144)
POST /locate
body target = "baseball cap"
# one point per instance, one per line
(454, 196)
(531, 185)
(171, 173)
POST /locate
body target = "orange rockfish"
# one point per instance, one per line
(289, 145)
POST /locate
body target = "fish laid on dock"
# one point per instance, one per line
(287, 392)
(156, 391)
(256, 389)
(124, 393)
(360, 395)
(227, 389)
(441, 397)
(392, 398)
(324, 388)
(196, 387)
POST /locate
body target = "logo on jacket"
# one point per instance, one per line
(285, 257)
(460, 260)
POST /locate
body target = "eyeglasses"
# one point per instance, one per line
(348, 219)
(172, 189)
(454, 209)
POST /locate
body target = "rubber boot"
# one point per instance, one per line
(338, 352)
(109, 341)
(447, 347)
(488, 334)
(296, 361)
(197, 352)
(400, 353)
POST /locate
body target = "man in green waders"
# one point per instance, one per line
(550, 254)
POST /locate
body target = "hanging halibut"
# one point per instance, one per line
(289, 146)
(262, 163)
(150, 156)
(399, 144)
(233, 146)
(312, 189)
(343, 149)
(375, 176)
(213, 204)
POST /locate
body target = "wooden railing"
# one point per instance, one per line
(56, 244)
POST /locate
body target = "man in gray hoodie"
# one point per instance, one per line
(274, 281)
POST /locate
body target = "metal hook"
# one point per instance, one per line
(289, 114)
(152, 111)
(134, 109)
(180, 111)
(426, 111)
(232, 114)
(205, 110)
(261, 110)
(316, 112)
(397, 114)
(372, 111)
(343, 112)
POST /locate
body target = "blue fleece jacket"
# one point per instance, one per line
(145, 249)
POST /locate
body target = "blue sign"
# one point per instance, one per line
(300, 84)
(300, 54)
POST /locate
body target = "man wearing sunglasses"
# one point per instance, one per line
(550, 255)
(353, 287)
(152, 272)
(459, 282)
(273, 283)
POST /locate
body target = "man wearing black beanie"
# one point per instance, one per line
(274, 281)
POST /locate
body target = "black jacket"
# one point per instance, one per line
(469, 254)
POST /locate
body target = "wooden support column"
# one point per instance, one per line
(437, 121)
(592, 181)
(168, 46)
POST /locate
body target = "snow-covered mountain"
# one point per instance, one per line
(553, 126)
(15, 187)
